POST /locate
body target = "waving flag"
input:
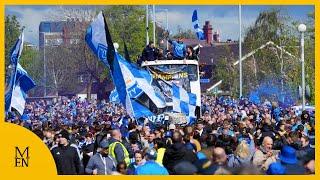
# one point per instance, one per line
(196, 27)
(133, 84)
(20, 82)
(184, 102)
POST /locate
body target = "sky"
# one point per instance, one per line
(225, 19)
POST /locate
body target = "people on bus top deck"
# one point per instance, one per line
(191, 55)
(178, 48)
(149, 53)
(160, 55)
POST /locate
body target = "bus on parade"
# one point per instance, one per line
(184, 73)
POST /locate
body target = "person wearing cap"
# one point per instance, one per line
(150, 167)
(101, 163)
(66, 156)
(290, 161)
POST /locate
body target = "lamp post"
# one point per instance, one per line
(154, 23)
(147, 24)
(44, 64)
(167, 24)
(240, 53)
(302, 28)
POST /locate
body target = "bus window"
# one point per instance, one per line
(192, 72)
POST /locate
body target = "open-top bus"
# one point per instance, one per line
(184, 73)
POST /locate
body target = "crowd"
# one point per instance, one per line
(178, 51)
(231, 137)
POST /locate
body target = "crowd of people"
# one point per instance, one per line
(231, 137)
(178, 51)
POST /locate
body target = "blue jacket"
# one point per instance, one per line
(179, 49)
(151, 168)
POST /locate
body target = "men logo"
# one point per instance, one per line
(22, 157)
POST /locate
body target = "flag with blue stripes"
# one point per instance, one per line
(114, 97)
(16, 51)
(196, 27)
(131, 82)
(20, 82)
(184, 102)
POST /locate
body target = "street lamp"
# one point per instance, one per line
(167, 25)
(302, 28)
(44, 64)
(240, 53)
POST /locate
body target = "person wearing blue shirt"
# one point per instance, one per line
(178, 48)
(151, 167)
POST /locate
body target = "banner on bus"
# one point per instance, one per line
(165, 75)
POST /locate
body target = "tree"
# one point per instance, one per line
(127, 23)
(30, 60)
(185, 33)
(62, 68)
(226, 72)
(271, 25)
(310, 55)
(12, 32)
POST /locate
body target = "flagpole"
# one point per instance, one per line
(154, 23)
(240, 53)
(114, 56)
(44, 65)
(147, 24)
(167, 26)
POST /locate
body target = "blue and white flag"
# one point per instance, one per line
(184, 102)
(96, 38)
(114, 97)
(130, 81)
(20, 82)
(17, 50)
(196, 27)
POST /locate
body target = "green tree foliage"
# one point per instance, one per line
(310, 56)
(32, 62)
(227, 72)
(12, 32)
(62, 68)
(29, 59)
(184, 33)
(128, 23)
(272, 26)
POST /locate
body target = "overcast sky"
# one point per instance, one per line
(222, 18)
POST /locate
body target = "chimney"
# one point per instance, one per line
(207, 29)
(216, 36)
